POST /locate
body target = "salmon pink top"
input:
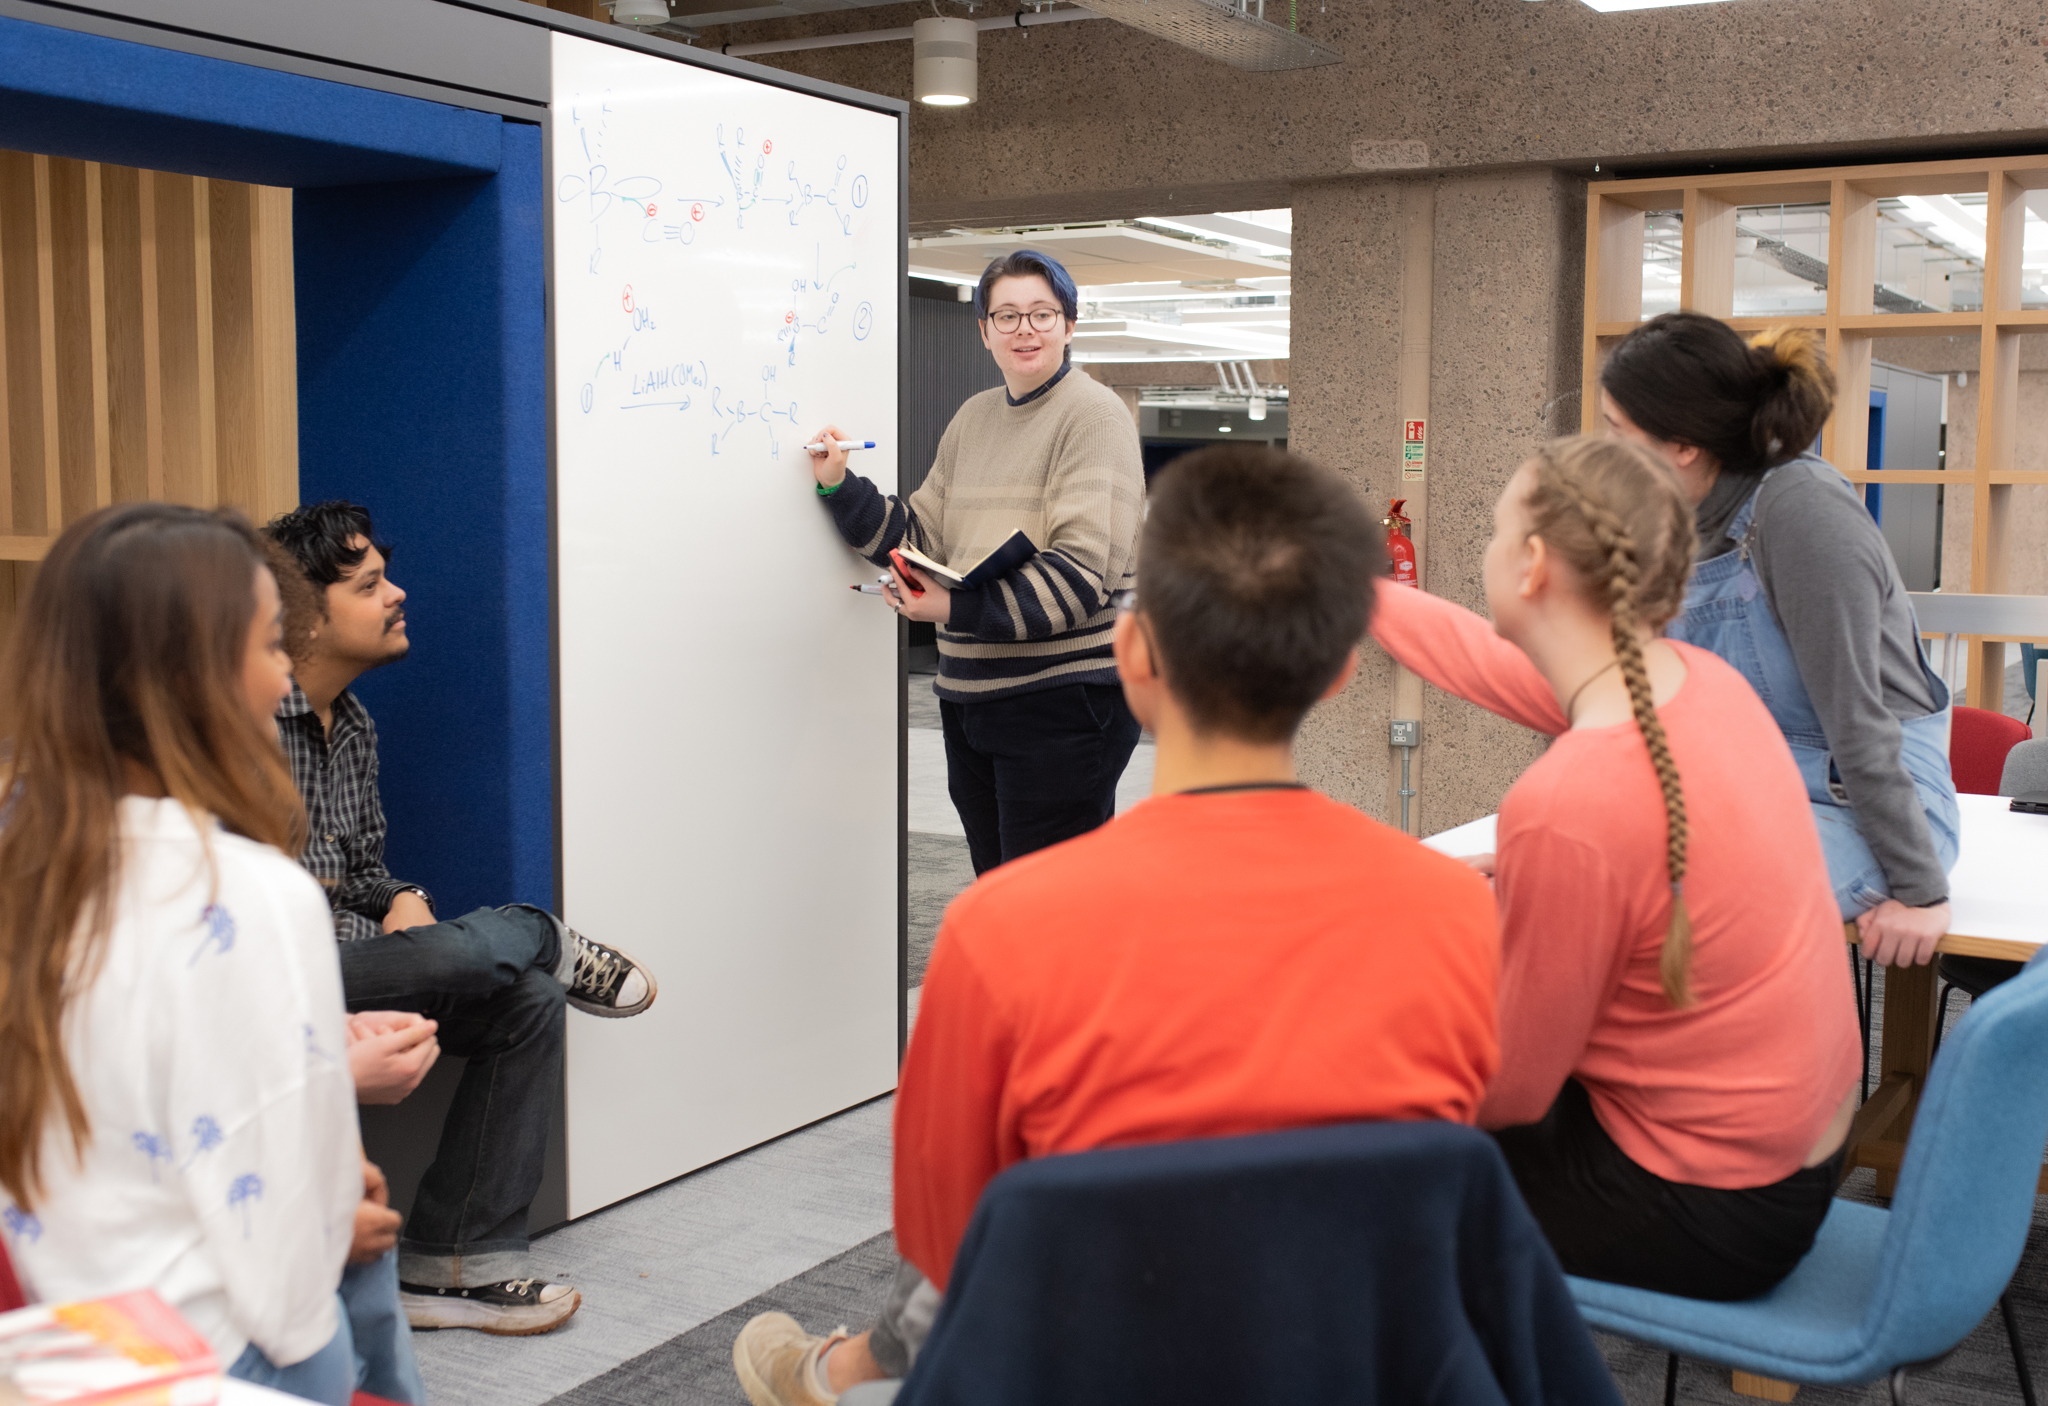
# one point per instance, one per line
(1734, 1090)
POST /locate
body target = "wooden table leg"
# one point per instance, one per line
(1909, 1024)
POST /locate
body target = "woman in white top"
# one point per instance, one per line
(176, 1110)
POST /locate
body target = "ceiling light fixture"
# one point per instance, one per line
(1257, 408)
(644, 13)
(942, 60)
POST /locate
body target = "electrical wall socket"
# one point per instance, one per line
(1405, 733)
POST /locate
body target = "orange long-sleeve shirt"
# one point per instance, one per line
(1202, 966)
(1734, 1090)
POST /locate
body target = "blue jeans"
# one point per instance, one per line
(328, 1376)
(1030, 771)
(487, 978)
(370, 1351)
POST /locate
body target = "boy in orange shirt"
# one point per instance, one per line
(1236, 954)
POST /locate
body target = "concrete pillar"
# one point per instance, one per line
(1505, 296)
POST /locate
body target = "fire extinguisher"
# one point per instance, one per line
(1400, 551)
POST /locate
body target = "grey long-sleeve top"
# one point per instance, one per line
(1832, 584)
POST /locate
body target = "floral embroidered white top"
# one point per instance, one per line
(224, 1168)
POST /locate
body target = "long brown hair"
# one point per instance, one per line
(129, 648)
(1613, 513)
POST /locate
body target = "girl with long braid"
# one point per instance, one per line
(1679, 1053)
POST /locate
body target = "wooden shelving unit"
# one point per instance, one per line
(1850, 320)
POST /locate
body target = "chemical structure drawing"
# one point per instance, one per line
(693, 269)
(738, 413)
(595, 185)
(817, 296)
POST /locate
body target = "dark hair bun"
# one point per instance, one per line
(1795, 392)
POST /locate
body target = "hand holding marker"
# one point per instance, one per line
(822, 447)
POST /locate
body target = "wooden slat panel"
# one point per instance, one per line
(21, 325)
(24, 548)
(238, 415)
(255, 355)
(277, 351)
(185, 327)
(83, 436)
(134, 377)
(51, 496)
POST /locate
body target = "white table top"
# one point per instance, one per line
(1998, 889)
(236, 1392)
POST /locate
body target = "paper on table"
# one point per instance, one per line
(1474, 837)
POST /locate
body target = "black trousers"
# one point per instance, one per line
(1609, 1218)
(1030, 771)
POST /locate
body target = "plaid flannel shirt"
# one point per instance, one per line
(337, 779)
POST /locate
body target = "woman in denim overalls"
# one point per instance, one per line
(1723, 415)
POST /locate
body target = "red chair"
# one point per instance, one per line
(1977, 743)
(11, 1296)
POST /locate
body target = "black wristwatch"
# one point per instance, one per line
(425, 897)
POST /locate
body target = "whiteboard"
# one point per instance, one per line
(727, 265)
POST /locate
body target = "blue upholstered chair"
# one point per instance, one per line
(1885, 1291)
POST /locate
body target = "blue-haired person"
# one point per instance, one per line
(1037, 730)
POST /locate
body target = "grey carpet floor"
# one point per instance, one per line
(939, 870)
(695, 1368)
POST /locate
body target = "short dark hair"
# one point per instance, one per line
(318, 537)
(1256, 577)
(1028, 263)
(1688, 378)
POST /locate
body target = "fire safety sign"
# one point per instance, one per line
(1414, 449)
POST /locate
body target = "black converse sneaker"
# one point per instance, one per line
(602, 980)
(517, 1308)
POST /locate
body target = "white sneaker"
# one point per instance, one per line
(777, 1362)
(516, 1308)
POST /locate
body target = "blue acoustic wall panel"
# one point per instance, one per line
(422, 397)
(421, 394)
(99, 99)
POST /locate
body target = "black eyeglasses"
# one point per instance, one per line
(1042, 319)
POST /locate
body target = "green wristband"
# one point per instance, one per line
(824, 492)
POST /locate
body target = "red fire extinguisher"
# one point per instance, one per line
(1400, 551)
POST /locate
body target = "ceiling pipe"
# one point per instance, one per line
(1023, 19)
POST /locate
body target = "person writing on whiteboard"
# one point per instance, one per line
(1037, 730)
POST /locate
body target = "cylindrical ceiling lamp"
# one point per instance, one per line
(644, 13)
(1256, 409)
(943, 62)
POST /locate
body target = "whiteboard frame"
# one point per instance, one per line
(555, 1188)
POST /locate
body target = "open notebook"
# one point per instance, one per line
(1011, 553)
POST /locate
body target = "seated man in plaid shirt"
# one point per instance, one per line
(492, 984)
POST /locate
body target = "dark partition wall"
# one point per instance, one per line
(948, 363)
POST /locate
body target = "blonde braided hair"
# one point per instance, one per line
(1612, 513)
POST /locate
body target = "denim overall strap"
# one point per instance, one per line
(1727, 613)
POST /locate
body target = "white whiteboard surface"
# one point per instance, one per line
(726, 272)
